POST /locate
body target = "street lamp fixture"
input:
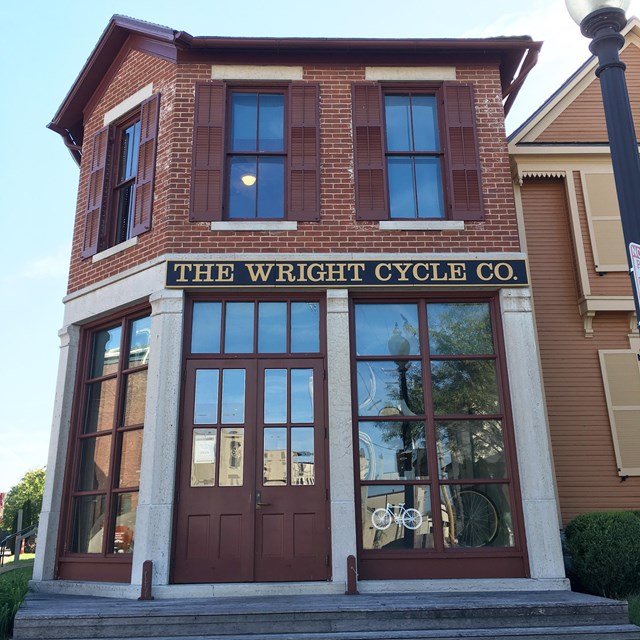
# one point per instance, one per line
(602, 21)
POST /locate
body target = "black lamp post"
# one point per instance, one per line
(602, 21)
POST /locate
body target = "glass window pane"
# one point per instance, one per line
(205, 410)
(387, 329)
(302, 396)
(396, 517)
(460, 328)
(129, 144)
(125, 529)
(270, 188)
(233, 396)
(88, 524)
(205, 327)
(305, 327)
(106, 352)
(203, 458)
(130, 459)
(139, 342)
(272, 327)
(425, 123)
(231, 458)
(429, 186)
(275, 396)
(271, 122)
(402, 188)
(390, 389)
(469, 449)
(238, 327)
(392, 450)
(135, 398)
(93, 472)
(101, 404)
(302, 458)
(243, 187)
(477, 516)
(244, 121)
(397, 123)
(275, 457)
(466, 387)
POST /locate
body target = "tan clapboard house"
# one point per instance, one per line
(570, 225)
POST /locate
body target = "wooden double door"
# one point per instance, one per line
(252, 497)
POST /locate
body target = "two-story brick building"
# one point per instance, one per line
(298, 325)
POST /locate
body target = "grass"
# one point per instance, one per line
(634, 609)
(13, 589)
(26, 559)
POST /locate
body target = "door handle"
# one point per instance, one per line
(259, 502)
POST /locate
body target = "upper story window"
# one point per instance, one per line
(255, 152)
(416, 152)
(121, 174)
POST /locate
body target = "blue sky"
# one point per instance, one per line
(45, 45)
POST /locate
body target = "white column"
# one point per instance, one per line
(343, 516)
(154, 519)
(533, 443)
(46, 551)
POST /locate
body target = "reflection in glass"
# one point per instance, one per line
(244, 120)
(469, 449)
(95, 454)
(130, 459)
(203, 458)
(88, 524)
(106, 352)
(205, 327)
(467, 387)
(392, 450)
(272, 327)
(275, 396)
(429, 188)
(238, 327)
(305, 327)
(124, 532)
(396, 517)
(101, 403)
(302, 395)
(390, 388)
(460, 328)
(231, 458)
(205, 409)
(302, 456)
(233, 396)
(140, 342)
(402, 188)
(275, 456)
(270, 203)
(135, 398)
(377, 323)
(411, 123)
(271, 122)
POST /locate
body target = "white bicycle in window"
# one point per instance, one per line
(410, 518)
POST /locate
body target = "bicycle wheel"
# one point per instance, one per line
(381, 519)
(476, 519)
(412, 518)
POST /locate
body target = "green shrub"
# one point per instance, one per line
(13, 588)
(605, 552)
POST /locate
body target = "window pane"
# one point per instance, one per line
(402, 188)
(275, 457)
(88, 524)
(466, 387)
(203, 458)
(429, 186)
(231, 458)
(93, 472)
(271, 122)
(396, 517)
(392, 451)
(459, 328)
(124, 533)
(124, 219)
(272, 327)
(302, 458)
(135, 398)
(425, 123)
(469, 449)
(389, 388)
(101, 403)
(275, 396)
(305, 327)
(129, 144)
(233, 396)
(205, 327)
(242, 194)
(205, 410)
(130, 459)
(106, 352)
(302, 396)
(397, 123)
(238, 328)
(244, 121)
(270, 188)
(387, 329)
(139, 342)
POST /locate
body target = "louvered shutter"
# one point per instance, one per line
(208, 152)
(96, 197)
(370, 164)
(463, 158)
(150, 113)
(304, 152)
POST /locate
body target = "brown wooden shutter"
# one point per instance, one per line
(304, 151)
(370, 163)
(96, 198)
(208, 152)
(150, 114)
(463, 158)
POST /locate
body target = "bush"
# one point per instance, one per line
(605, 553)
(13, 589)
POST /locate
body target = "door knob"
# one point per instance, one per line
(259, 502)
